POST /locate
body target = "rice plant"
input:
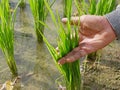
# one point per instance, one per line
(96, 7)
(67, 7)
(22, 4)
(101, 7)
(7, 35)
(39, 13)
(67, 40)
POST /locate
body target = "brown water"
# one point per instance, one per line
(37, 68)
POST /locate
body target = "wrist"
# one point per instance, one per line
(109, 31)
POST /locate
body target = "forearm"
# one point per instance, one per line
(114, 19)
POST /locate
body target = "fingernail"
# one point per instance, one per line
(64, 19)
(59, 63)
(67, 59)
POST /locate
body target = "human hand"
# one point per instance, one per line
(95, 33)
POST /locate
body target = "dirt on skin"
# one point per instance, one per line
(106, 74)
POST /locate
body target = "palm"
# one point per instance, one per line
(95, 33)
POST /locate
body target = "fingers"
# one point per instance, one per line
(83, 49)
(89, 21)
(72, 56)
(92, 22)
(74, 20)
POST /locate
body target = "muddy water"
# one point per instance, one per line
(35, 65)
(37, 68)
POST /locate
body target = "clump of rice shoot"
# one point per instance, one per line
(22, 4)
(67, 6)
(39, 13)
(7, 35)
(67, 40)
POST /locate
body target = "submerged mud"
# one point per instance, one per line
(106, 74)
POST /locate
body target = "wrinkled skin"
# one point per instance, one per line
(95, 33)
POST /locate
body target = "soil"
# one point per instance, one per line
(106, 74)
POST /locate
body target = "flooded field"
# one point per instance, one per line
(36, 67)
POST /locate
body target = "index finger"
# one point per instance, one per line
(74, 55)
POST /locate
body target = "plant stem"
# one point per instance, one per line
(7, 35)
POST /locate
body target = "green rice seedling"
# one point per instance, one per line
(96, 7)
(67, 40)
(81, 6)
(101, 7)
(39, 13)
(7, 35)
(67, 7)
(22, 4)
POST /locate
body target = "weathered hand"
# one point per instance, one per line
(95, 33)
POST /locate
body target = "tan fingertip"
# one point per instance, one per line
(59, 63)
(64, 20)
(69, 60)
